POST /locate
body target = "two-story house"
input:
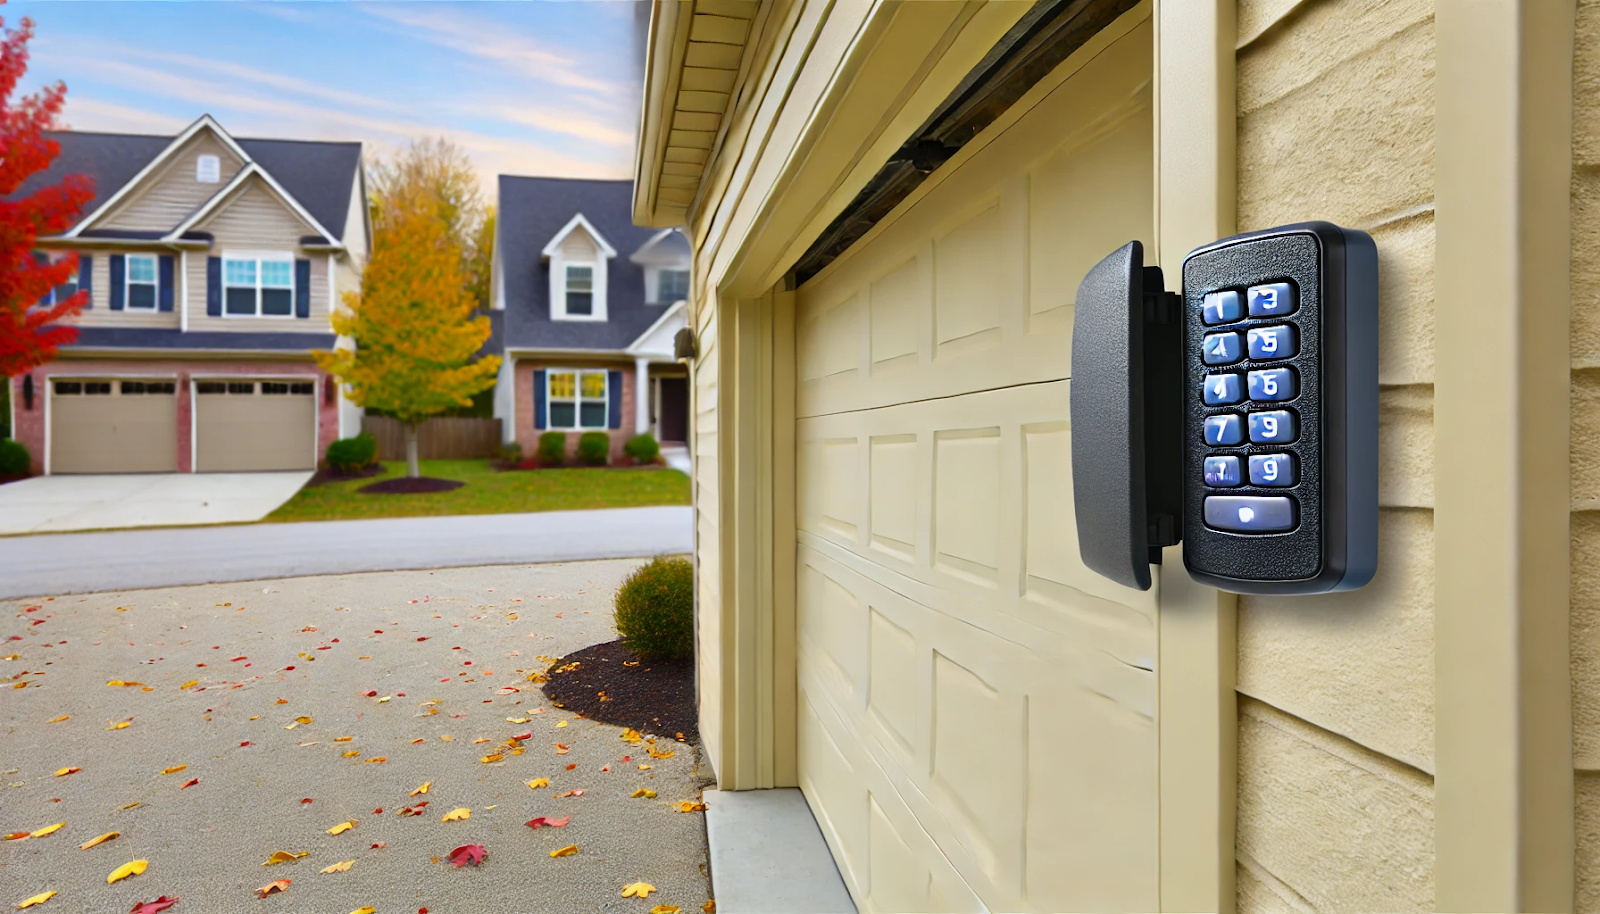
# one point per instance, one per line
(587, 306)
(211, 263)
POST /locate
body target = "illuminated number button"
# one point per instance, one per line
(1270, 342)
(1222, 389)
(1275, 427)
(1221, 348)
(1224, 430)
(1272, 385)
(1271, 300)
(1250, 514)
(1222, 471)
(1271, 470)
(1221, 308)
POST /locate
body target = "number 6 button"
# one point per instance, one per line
(1272, 385)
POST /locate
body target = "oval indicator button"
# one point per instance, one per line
(1250, 514)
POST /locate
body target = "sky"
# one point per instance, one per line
(526, 88)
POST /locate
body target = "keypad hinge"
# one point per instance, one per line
(1161, 307)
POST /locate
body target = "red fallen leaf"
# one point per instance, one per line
(306, 800)
(547, 822)
(245, 743)
(626, 758)
(377, 631)
(336, 641)
(14, 638)
(288, 667)
(309, 628)
(237, 659)
(370, 693)
(153, 907)
(379, 844)
(572, 766)
(421, 910)
(467, 853)
(189, 783)
(323, 648)
(378, 811)
(528, 735)
(422, 639)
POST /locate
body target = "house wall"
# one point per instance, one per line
(29, 427)
(527, 436)
(257, 221)
(99, 314)
(172, 193)
(1336, 719)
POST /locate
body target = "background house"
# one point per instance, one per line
(586, 308)
(211, 263)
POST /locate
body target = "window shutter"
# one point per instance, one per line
(86, 279)
(302, 288)
(40, 258)
(213, 286)
(538, 399)
(118, 285)
(164, 278)
(614, 392)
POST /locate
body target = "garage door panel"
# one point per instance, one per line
(112, 432)
(238, 431)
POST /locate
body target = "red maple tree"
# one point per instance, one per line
(29, 325)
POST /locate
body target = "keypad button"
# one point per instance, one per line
(1222, 348)
(1270, 342)
(1272, 427)
(1224, 430)
(1271, 300)
(1250, 513)
(1222, 389)
(1272, 385)
(1222, 471)
(1221, 308)
(1271, 470)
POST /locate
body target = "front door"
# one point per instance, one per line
(672, 417)
(977, 709)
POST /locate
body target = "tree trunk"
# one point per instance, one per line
(412, 468)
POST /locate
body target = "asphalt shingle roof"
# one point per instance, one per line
(531, 211)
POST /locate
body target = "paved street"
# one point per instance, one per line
(257, 688)
(61, 503)
(90, 562)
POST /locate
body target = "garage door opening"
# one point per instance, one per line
(113, 425)
(254, 425)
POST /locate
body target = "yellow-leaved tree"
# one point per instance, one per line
(414, 322)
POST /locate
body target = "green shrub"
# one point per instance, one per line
(655, 609)
(594, 448)
(552, 449)
(14, 459)
(348, 455)
(511, 452)
(642, 448)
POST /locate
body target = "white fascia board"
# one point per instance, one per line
(204, 123)
(214, 203)
(555, 243)
(644, 249)
(284, 197)
(678, 309)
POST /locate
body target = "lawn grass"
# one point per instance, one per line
(489, 491)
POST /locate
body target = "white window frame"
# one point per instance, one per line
(200, 168)
(559, 262)
(577, 399)
(259, 257)
(77, 286)
(128, 282)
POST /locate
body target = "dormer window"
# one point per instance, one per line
(208, 169)
(580, 290)
(578, 256)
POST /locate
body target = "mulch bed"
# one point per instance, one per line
(655, 697)
(405, 485)
(322, 477)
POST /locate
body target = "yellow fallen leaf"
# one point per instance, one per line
(256, 717)
(352, 752)
(518, 751)
(536, 783)
(285, 857)
(131, 805)
(339, 867)
(189, 685)
(638, 890)
(174, 769)
(567, 851)
(284, 701)
(120, 726)
(40, 898)
(710, 907)
(342, 827)
(481, 739)
(100, 840)
(57, 720)
(366, 909)
(643, 792)
(665, 909)
(63, 772)
(343, 739)
(47, 830)
(302, 719)
(422, 789)
(560, 724)
(687, 806)
(518, 720)
(291, 726)
(384, 699)
(631, 736)
(131, 868)
(377, 758)
(457, 815)
(645, 767)
(116, 682)
(446, 738)
(493, 758)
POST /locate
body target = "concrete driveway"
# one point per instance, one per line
(60, 503)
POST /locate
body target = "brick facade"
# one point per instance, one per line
(528, 436)
(28, 424)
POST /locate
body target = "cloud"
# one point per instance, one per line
(566, 122)
(88, 113)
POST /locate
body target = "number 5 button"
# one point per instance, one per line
(1271, 342)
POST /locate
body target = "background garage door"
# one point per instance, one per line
(100, 425)
(977, 709)
(246, 426)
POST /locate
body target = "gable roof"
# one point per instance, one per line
(577, 222)
(319, 175)
(531, 211)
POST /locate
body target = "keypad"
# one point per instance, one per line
(1251, 405)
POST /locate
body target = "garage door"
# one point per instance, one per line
(112, 425)
(977, 709)
(246, 426)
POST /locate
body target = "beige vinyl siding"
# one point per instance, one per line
(1335, 803)
(256, 220)
(578, 247)
(1585, 449)
(101, 315)
(172, 194)
(708, 542)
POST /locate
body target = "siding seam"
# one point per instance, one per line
(1406, 776)
(1273, 884)
(1375, 48)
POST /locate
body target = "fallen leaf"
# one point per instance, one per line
(120, 726)
(481, 739)
(567, 851)
(174, 769)
(687, 806)
(422, 789)
(561, 749)
(522, 736)
(47, 830)
(365, 909)
(343, 739)
(100, 840)
(57, 720)
(643, 792)
(446, 738)
(302, 719)
(189, 783)
(281, 701)
(547, 822)
(710, 907)
(66, 771)
(631, 736)
(665, 909)
(495, 757)
(131, 805)
(638, 890)
(378, 758)
(536, 783)
(384, 699)
(131, 868)
(379, 844)
(16, 836)
(518, 720)
(573, 793)
(272, 887)
(339, 867)
(351, 753)
(342, 827)
(457, 815)
(467, 853)
(305, 801)
(645, 767)
(154, 907)
(560, 724)
(284, 857)
(189, 685)
(40, 898)
(572, 766)
(657, 753)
